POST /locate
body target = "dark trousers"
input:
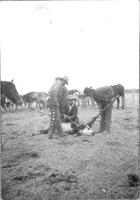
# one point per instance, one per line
(105, 123)
(55, 124)
(74, 123)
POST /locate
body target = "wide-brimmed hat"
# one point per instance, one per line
(65, 78)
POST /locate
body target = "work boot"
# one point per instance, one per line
(58, 136)
(105, 132)
(101, 130)
(51, 136)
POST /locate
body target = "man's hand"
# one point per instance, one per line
(113, 99)
(66, 117)
(88, 127)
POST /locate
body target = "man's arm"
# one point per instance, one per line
(53, 93)
(75, 113)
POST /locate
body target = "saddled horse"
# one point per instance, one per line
(35, 97)
(9, 91)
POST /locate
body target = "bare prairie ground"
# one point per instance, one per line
(70, 168)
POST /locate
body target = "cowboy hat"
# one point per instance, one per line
(65, 78)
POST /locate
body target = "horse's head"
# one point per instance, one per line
(87, 91)
(10, 91)
(119, 90)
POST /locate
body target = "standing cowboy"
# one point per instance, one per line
(57, 98)
(103, 96)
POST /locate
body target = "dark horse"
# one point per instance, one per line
(8, 90)
(118, 92)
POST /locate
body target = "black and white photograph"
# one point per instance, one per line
(69, 100)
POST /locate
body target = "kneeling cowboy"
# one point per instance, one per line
(70, 113)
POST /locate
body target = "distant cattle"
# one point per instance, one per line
(9, 91)
(86, 102)
(39, 98)
(83, 101)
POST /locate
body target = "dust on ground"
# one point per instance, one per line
(34, 167)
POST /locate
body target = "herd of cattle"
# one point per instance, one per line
(10, 98)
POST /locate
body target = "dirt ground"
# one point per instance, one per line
(70, 168)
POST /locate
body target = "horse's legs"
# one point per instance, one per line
(118, 102)
(122, 100)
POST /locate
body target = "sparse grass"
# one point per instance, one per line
(100, 163)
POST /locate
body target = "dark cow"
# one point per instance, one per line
(9, 91)
(35, 97)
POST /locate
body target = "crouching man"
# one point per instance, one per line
(70, 114)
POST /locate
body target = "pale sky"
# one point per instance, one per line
(94, 43)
